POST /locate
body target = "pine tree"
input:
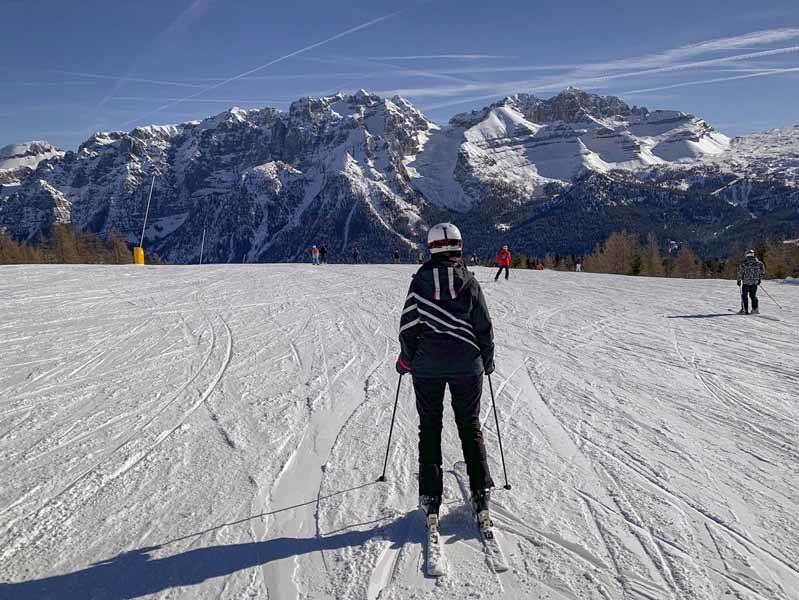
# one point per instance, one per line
(63, 245)
(687, 264)
(652, 263)
(120, 253)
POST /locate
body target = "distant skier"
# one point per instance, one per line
(396, 257)
(539, 266)
(420, 257)
(750, 273)
(314, 255)
(578, 267)
(323, 254)
(356, 255)
(446, 338)
(503, 260)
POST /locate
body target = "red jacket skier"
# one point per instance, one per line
(503, 257)
(503, 260)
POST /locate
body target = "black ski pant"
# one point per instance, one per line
(466, 392)
(507, 272)
(749, 290)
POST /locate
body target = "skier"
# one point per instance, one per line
(446, 338)
(323, 254)
(750, 272)
(356, 255)
(539, 266)
(503, 260)
(315, 255)
(396, 257)
(579, 265)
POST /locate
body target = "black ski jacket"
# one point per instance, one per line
(445, 328)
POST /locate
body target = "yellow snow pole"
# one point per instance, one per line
(138, 251)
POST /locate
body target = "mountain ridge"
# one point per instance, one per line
(358, 169)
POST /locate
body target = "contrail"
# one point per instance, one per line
(442, 56)
(715, 80)
(118, 78)
(264, 66)
(259, 101)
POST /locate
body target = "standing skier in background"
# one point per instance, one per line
(314, 255)
(446, 338)
(578, 267)
(503, 260)
(750, 272)
(356, 255)
(323, 254)
(396, 257)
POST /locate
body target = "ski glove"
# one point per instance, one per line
(401, 366)
(739, 283)
(489, 368)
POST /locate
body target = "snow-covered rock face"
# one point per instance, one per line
(360, 170)
(263, 184)
(28, 154)
(526, 143)
(17, 162)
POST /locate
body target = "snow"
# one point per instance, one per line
(432, 170)
(216, 432)
(27, 154)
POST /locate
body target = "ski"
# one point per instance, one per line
(436, 564)
(495, 557)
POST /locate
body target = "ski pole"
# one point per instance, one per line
(499, 434)
(770, 296)
(391, 430)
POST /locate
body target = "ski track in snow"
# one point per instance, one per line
(216, 432)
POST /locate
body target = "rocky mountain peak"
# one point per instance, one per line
(353, 167)
(27, 154)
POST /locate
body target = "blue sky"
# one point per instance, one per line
(70, 68)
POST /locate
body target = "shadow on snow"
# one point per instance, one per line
(708, 316)
(137, 573)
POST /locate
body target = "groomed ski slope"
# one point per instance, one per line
(216, 432)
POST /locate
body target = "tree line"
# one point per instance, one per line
(62, 244)
(623, 253)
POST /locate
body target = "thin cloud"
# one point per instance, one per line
(690, 51)
(767, 73)
(578, 77)
(192, 13)
(46, 83)
(125, 78)
(231, 102)
(337, 36)
(444, 57)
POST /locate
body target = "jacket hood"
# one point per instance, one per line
(436, 273)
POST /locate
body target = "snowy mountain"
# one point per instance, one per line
(526, 143)
(28, 154)
(360, 170)
(18, 160)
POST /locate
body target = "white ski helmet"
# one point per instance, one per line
(444, 237)
(750, 253)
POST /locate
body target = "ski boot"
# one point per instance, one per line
(742, 312)
(755, 311)
(480, 501)
(429, 506)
